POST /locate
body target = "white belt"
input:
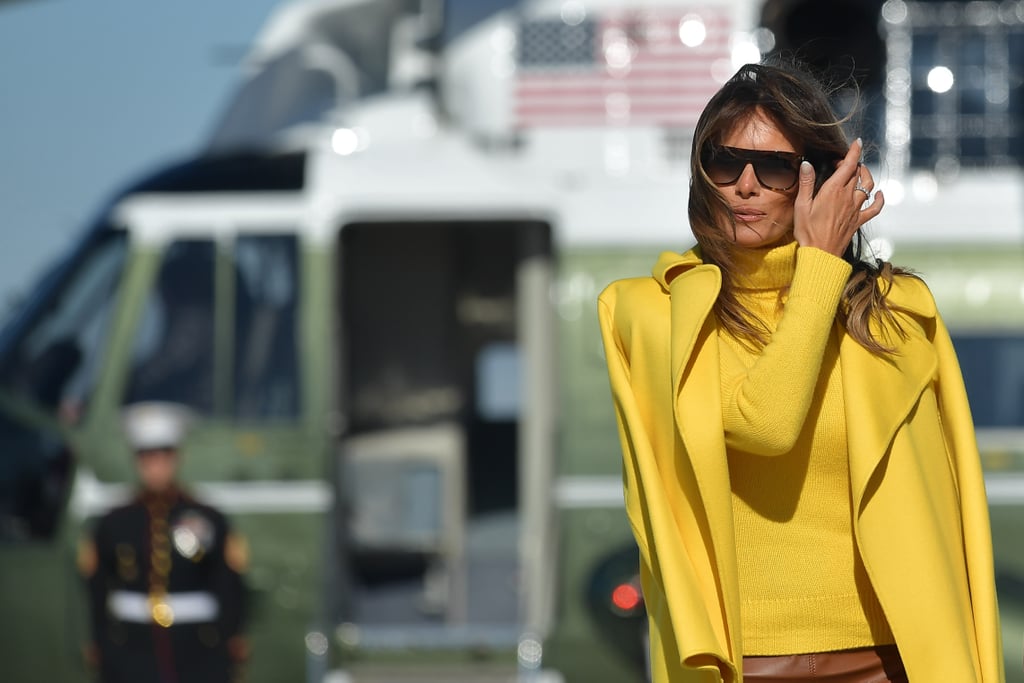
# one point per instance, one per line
(193, 607)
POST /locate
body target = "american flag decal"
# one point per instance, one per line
(622, 69)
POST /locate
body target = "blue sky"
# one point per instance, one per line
(94, 94)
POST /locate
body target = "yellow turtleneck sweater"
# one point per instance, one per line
(803, 587)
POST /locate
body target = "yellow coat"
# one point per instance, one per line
(921, 516)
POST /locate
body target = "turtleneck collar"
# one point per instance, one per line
(764, 269)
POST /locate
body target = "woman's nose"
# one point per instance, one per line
(747, 184)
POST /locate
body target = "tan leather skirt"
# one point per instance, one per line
(880, 664)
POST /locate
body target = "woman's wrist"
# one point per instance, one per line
(819, 277)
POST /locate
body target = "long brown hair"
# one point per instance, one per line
(800, 107)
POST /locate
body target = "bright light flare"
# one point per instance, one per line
(348, 141)
(573, 13)
(626, 597)
(940, 79)
(530, 652)
(744, 51)
(894, 192)
(316, 643)
(692, 31)
(618, 54)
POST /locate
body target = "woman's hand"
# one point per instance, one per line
(829, 220)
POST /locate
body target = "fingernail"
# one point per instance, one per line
(859, 142)
(805, 167)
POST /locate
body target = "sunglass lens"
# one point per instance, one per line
(724, 168)
(776, 172)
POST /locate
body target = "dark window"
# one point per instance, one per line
(924, 104)
(926, 44)
(172, 356)
(266, 350)
(1016, 85)
(56, 358)
(35, 471)
(972, 50)
(972, 100)
(973, 147)
(923, 148)
(55, 350)
(993, 368)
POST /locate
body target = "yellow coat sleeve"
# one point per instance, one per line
(957, 424)
(702, 658)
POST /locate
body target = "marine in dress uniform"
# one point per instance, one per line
(164, 572)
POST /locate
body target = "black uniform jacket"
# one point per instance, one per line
(166, 595)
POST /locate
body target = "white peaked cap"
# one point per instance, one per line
(155, 424)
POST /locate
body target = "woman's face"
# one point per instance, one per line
(762, 217)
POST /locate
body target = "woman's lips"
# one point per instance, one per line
(747, 215)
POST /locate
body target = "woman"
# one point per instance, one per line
(800, 468)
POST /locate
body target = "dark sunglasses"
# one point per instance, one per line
(777, 171)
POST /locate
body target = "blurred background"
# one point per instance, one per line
(362, 240)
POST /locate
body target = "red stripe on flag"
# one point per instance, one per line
(568, 108)
(562, 79)
(635, 91)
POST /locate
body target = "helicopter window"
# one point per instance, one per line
(288, 91)
(35, 470)
(993, 369)
(498, 384)
(56, 360)
(266, 356)
(172, 355)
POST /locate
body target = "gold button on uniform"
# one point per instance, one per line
(163, 615)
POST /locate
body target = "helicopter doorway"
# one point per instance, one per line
(446, 386)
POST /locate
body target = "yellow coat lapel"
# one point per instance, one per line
(698, 415)
(879, 393)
